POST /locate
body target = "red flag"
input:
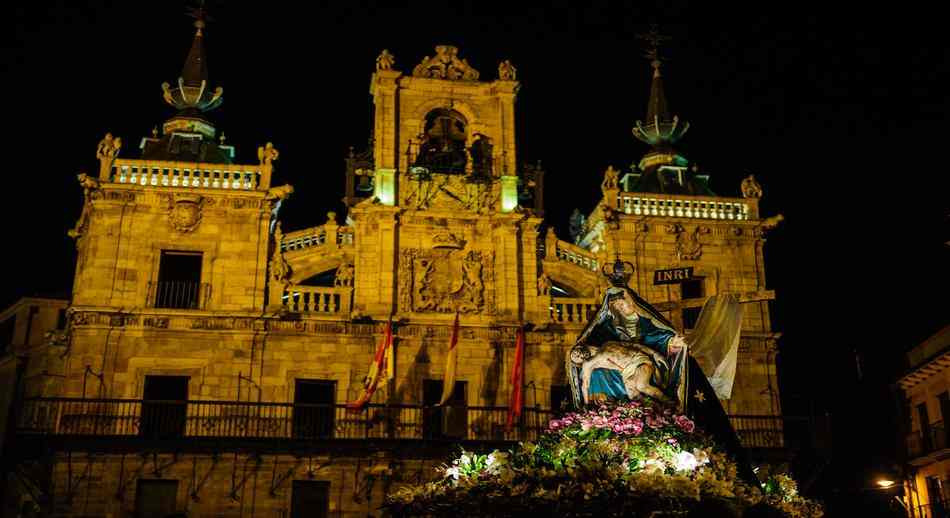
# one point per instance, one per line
(517, 382)
(451, 361)
(377, 370)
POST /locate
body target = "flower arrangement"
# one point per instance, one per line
(618, 459)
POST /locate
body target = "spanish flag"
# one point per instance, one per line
(381, 368)
(451, 362)
(517, 382)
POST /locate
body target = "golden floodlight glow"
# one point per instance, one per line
(885, 482)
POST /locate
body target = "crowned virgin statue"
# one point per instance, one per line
(629, 350)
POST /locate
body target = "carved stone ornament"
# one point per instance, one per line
(344, 276)
(611, 179)
(90, 191)
(688, 246)
(451, 192)
(106, 152)
(445, 65)
(751, 188)
(507, 71)
(446, 280)
(184, 212)
(385, 60)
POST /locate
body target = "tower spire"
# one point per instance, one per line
(195, 69)
(189, 135)
(192, 94)
(660, 129)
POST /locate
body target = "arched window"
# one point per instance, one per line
(442, 149)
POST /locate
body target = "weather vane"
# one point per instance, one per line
(653, 39)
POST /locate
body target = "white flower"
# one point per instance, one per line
(653, 466)
(702, 458)
(495, 460)
(452, 472)
(685, 461)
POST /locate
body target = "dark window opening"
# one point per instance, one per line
(561, 399)
(314, 409)
(155, 498)
(310, 499)
(179, 281)
(7, 330)
(691, 289)
(164, 406)
(61, 319)
(444, 422)
(924, 426)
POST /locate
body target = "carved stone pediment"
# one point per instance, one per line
(446, 280)
(184, 212)
(445, 65)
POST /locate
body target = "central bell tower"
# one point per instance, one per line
(447, 222)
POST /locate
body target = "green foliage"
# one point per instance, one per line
(628, 459)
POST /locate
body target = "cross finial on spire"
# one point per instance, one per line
(200, 15)
(653, 39)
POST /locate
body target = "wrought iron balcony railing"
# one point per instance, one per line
(248, 420)
(920, 443)
(178, 294)
(112, 418)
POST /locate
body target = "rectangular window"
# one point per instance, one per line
(314, 408)
(924, 427)
(61, 319)
(561, 399)
(155, 498)
(7, 330)
(164, 406)
(310, 499)
(179, 281)
(444, 422)
(691, 289)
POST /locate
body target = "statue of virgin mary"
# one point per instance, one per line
(629, 350)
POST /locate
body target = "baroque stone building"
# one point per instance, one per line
(209, 351)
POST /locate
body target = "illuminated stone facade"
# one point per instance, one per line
(926, 391)
(185, 271)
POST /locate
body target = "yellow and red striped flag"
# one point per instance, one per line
(381, 368)
(451, 361)
(516, 403)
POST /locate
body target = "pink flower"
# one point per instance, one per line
(685, 423)
(599, 422)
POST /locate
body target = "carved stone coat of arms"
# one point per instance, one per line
(446, 279)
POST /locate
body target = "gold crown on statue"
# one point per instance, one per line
(619, 275)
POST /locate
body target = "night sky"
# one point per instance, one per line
(841, 117)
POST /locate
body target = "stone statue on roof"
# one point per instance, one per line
(385, 60)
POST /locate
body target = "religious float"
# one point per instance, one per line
(647, 437)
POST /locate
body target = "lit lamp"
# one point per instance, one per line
(884, 483)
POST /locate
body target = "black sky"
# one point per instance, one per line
(841, 116)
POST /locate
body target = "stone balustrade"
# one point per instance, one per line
(572, 310)
(159, 173)
(318, 300)
(699, 207)
(316, 236)
(564, 251)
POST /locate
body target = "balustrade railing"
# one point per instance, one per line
(173, 174)
(685, 207)
(315, 236)
(318, 299)
(572, 310)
